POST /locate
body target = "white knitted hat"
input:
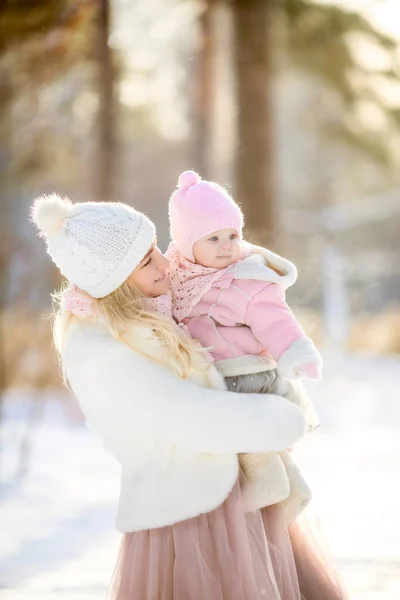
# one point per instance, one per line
(96, 245)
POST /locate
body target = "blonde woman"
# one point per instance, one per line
(163, 411)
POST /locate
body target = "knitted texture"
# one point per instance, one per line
(78, 302)
(161, 304)
(198, 208)
(189, 281)
(96, 245)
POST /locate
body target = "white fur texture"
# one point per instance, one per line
(177, 441)
(48, 213)
(245, 365)
(301, 352)
(300, 492)
(261, 264)
(266, 480)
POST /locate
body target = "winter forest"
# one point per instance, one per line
(293, 106)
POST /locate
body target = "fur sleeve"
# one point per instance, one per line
(143, 396)
(273, 268)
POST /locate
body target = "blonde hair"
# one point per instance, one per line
(120, 310)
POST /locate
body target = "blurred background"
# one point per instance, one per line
(294, 106)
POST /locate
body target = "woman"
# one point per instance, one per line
(163, 412)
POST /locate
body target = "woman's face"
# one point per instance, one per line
(151, 276)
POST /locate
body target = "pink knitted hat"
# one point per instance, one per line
(198, 208)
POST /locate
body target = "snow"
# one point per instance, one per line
(57, 522)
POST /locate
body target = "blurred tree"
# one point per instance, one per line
(106, 113)
(254, 177)
(28, 32)
(204, 89)
(20, 19)
(73, 34)
(316, 40)
(320, 41)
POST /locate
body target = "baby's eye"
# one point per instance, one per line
(233, 236)
(147, 262)
(214, 238)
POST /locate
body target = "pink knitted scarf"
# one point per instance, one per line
(161, 304)
(190, 281)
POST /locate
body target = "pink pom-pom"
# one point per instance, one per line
(187, 179)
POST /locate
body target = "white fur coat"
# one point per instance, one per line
(176, 440)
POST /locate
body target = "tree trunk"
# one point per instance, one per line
(106, 116)
(204, 88)
(6, 231)
(254, 162)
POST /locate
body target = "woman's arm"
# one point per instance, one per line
(145, 396)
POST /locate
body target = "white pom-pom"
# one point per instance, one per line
(48, 213)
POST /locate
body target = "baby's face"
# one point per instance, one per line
(218, 249)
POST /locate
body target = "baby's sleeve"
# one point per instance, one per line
(271, 320)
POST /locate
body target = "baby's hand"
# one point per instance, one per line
(301, 360)
(309, 370)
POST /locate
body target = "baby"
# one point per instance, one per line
(231, 296)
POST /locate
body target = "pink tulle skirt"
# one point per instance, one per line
(227, 555)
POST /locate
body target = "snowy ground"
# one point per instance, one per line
(57, 526)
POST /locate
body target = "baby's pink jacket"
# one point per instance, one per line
(245, 314)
